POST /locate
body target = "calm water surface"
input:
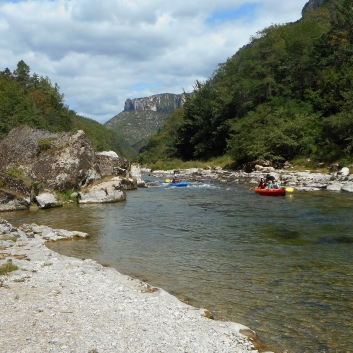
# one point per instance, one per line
(282, 266)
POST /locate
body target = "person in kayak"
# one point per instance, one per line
(262, 184)
(273, 184)
(175, 179)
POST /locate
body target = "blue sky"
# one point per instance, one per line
(104, 52)
(245, 12)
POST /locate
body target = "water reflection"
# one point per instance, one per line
(282, 266)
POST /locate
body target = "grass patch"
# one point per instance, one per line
(66, 195)
(7, 268)
(6, 237)
(44, 144)
(14, 172)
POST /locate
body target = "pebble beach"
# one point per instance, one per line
(54, 303)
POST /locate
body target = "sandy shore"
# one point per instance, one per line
(55, 303)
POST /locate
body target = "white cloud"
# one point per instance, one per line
(103, 52)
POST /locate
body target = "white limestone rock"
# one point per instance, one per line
(47, 200)
(344, 172)
(334, 186)
(348, 187)
(106, 192)
(135, 173)
(108, 153)
(48, 233)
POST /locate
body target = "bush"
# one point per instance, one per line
(7, 268)
(44, 145)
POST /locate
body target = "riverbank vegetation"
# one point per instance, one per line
(35, 101)
(288, 95)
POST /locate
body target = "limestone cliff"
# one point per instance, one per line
(142, 117)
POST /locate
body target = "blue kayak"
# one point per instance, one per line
(179, 184)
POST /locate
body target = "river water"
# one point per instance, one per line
(281, 265)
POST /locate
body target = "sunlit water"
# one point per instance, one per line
(281, 265)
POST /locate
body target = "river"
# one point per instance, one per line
(281, 265)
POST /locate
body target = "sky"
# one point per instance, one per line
(102, 52)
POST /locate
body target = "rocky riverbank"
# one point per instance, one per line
(338, 180)
(54, 303)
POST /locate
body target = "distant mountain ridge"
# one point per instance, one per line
(142, 117)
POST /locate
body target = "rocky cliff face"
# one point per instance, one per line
(165, 102)
(144, 116)
(312, 5)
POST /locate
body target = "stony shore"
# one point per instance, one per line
(339, 180)
(54, 303)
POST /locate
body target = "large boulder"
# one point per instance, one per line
(109, 163)
(135, 173)
(348, 187)
(12, 202)
(58, 161)
(47, 200)
(15, 193)
(106, 192)
(334, 186)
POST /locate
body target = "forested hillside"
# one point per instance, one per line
(35, 101)
(288, 94)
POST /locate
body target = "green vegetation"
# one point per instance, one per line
(44, 145)
(225, 162)
(35, 101)
(14, 172)
(37, 187)
(288, 95)
(7, 268)
(6, 237)
(66, 196)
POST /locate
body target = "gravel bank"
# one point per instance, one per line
(55, 303)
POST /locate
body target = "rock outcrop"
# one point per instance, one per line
(59, 161)
(106, 192)
(312, 5)
(47, 200)
(35, 162)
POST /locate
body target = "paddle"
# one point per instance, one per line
(289, 189)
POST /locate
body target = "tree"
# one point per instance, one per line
(22, 73)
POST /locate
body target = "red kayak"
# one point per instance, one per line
(271, 192)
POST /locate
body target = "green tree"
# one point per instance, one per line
(22, 73)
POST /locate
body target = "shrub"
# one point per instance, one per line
(44, 144)
(7, 268)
